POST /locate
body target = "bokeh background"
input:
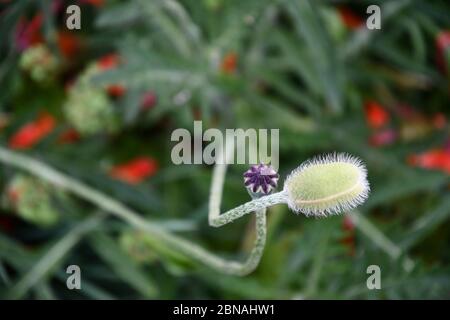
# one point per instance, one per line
(100, 104)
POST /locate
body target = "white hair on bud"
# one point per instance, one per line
(328, 184)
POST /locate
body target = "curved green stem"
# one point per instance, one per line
(246, 208)
(216, 219)
(154, 230)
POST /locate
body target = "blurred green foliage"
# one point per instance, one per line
(293, 65)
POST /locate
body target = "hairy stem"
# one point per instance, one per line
(246, 208)
(216, 219)
(154, 230)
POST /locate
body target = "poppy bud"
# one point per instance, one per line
(39, 63)
(326, 185)
(89, 111)
(31, 198)
(89, 108)
(260, 179)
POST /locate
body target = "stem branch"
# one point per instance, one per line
(154, 230)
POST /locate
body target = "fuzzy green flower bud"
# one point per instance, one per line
(329, 184)
(40, 63)
(88, 108)
(31, 198)
(89, 111)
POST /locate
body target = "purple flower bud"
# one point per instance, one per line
(261, 179)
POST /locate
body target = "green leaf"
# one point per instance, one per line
(123, 266)
(425, 225)
(52, 257)
(309, 26)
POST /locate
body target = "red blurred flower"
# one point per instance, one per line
(347, 224)
(33, 132)
(350, 19)
(13, 195)
(69, 136)
(28, 33)
(57, 5)
(148, 100)
(135, 171)
(435, 159)
(383, 137)
(116, 90)
(439, 120)
(68, 43)
(376, 115)
(109, 61)
(442, 45)
(229, 63)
